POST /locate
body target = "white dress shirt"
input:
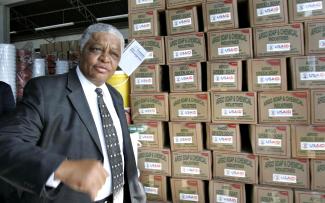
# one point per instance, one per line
(91, 96)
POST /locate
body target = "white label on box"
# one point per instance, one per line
(228, 50)
(270, 79)
(232, 112)
(280, 112)
(190, 170)
(312, 75)
(234, 173)
(268, 11)
(278, 47)
(226, 199)
(187, 112)
(183, 140)
(312, 146)
(138, 2)
(142, 26)
(152, 165)
(284, 178)
(224, 78)
(182, 22)
(222, 139)
(143, 81)
(321, 44)
(189, 197)
(151, 190)
(147, 111)
(149, 55)
(184, 78)
(182, 53)
(220, 17)
(268, 142)
(310, 6)
(146, 137)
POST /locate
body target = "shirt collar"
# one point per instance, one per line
(86, 84)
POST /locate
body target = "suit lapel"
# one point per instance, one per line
(79, 101)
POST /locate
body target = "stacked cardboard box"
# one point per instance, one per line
(245, 102)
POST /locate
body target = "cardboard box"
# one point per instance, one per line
(155, 187)
(271, 140)
(317, 171)
(192, 165)
(193, 106)
(224, 75)
(291, 107)
(230, 44)
(234, 107)
(302, 10)
(146, 78)
(268, 74)
(185, 136)
(220, 15)
(182, 3)
(223, 137)
(284, 40)
(317, 106)
(308, 72)
(308, 141)
(148, 107)
(314, 35)
(225, 191)
(136, 5)
(235, 166)
(272, 194)
(182, 20)
(144, 24)
(152, 134)
(187, 190)
(264, 12)
(309, 197)
(284, 172)
(185, 77)
(157, 162)
(185, 48)
(155, 46)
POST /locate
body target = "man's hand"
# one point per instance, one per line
(86, 176)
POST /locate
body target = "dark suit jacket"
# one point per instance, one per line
(7, 102)
(54, 123)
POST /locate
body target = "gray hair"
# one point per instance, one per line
(100, 27)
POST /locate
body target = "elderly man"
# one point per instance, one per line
(68, 140)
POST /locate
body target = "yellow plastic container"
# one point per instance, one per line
(121, 82)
